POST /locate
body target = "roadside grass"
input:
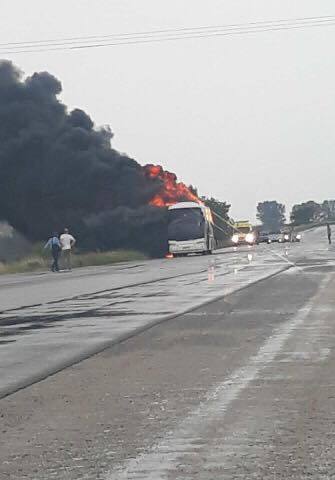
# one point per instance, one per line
(107, 258)
(40, 260)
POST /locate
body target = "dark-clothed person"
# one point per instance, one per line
(55, 246)
(329, 234)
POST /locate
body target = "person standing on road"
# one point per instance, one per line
(67, 242)
(55, 246)
(329, 234)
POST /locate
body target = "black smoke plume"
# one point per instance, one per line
(57, 169)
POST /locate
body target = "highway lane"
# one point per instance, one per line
(241, 387)
(41, 339)
(39, 288)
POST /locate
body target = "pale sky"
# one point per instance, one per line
(244, 118)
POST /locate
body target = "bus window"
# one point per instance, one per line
(191, 215)
(186, 224)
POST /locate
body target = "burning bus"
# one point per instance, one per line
(190, 229)
(190, 223)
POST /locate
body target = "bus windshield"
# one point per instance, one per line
(244, 229)
(186, 224)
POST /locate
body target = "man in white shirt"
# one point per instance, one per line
(67, 241)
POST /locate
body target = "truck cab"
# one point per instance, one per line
(243, 233)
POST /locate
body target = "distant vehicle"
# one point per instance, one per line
(287, 236)
(296, 237)
(275, 237)
(243, 233)
(263, 237)
(290, 236)
(190, 229)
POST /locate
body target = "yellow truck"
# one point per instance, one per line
(243, 233)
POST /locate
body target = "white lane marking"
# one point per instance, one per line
(186, 439)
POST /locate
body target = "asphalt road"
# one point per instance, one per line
(85, 311)
(239, 387)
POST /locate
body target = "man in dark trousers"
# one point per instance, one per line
(67, 242)
(55, 246)
(329, 234)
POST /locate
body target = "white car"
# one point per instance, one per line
(296, 237)
(275, 237)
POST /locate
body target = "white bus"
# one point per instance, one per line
(190, 229)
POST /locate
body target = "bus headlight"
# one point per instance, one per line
(298, 236)
(234, 238)
(286, 237)
(250, 237)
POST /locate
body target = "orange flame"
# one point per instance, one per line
(172, 191)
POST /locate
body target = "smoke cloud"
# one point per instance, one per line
(57, 169)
